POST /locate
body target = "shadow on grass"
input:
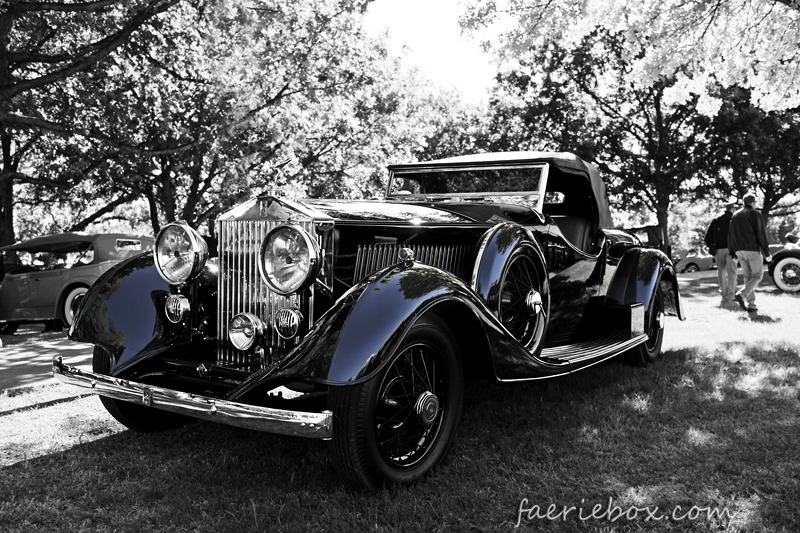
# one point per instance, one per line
(696, 429)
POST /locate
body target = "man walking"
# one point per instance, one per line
(747, 240)
(717, 241)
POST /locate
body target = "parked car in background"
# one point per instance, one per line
(785, 268)
(359, 321)
(693, 261)
(41, 278)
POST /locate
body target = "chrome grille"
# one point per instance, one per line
(455, 259)
(241, 289)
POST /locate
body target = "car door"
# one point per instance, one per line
(44, 286)
(15, 302)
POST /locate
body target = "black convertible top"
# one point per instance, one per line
(564, 161)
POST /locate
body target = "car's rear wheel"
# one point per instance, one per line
(650, 350)
(523, 301)
(691, 268)
(68, 306)
(397, 426)
(133, 416)
(787, 274)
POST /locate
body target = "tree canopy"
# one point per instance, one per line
(749, 43)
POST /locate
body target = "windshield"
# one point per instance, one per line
(497, 184)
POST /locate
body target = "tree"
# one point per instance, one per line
(750, 149)
(581, 99)
(44, 45)
(750, 43)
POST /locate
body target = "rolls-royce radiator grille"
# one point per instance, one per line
(241, 289)
(456, 259)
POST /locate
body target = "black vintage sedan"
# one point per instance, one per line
(359, 321)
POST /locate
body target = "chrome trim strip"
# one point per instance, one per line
(281, 421)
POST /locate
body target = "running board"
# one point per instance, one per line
(584, 351)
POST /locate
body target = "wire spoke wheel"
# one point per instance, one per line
(787, 274)
(398, 425)
(412, 383)
(522, 305)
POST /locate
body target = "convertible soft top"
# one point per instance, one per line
(62, 243)
(564, 161)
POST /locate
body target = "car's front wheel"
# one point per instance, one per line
(787, 274)
(691, 268)
(134, 416)
(69, 305)
(397, 426)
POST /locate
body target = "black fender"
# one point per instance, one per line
(778, 256)
(354, 339)
(639, 273)
(494, 249)
(123, 312)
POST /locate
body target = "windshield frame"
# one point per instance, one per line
(493, 196)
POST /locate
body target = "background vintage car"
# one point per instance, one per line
(41, 278)
(358, 321)
(693, 261)
(785, 267)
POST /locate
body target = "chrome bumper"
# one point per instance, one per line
(295, 423)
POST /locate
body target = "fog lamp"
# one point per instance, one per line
(176, 307)
(245, 329)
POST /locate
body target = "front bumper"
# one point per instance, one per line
(294, 423)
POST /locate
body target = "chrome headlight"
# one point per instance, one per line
(289, 259)
(245, 329)
(180, 253)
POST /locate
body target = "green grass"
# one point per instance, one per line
(714, 424)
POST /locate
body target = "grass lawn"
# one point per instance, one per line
(708, 439)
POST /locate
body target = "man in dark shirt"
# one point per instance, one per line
(717, 241)
(747, 240)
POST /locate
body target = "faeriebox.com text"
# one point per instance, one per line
(613, 513)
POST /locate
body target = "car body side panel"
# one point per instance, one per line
(638, 275)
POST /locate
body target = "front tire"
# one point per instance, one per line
(67, 311)
(650, 350)
(691, 269)
(397, 426)
(134, 416)
(787, 274)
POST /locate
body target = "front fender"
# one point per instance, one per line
(123, 313)
(639, 273)
(354, 339)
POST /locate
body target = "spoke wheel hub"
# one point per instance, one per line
(533, 302)
(426, 408)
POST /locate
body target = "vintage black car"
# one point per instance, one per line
(358, 321)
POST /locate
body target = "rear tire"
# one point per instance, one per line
(692, 268)
(650, 350)
(9, 328)
(134, 416)
(398, 426)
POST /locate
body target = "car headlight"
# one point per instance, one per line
(180, 253)
(289, 259)
(245, 330)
